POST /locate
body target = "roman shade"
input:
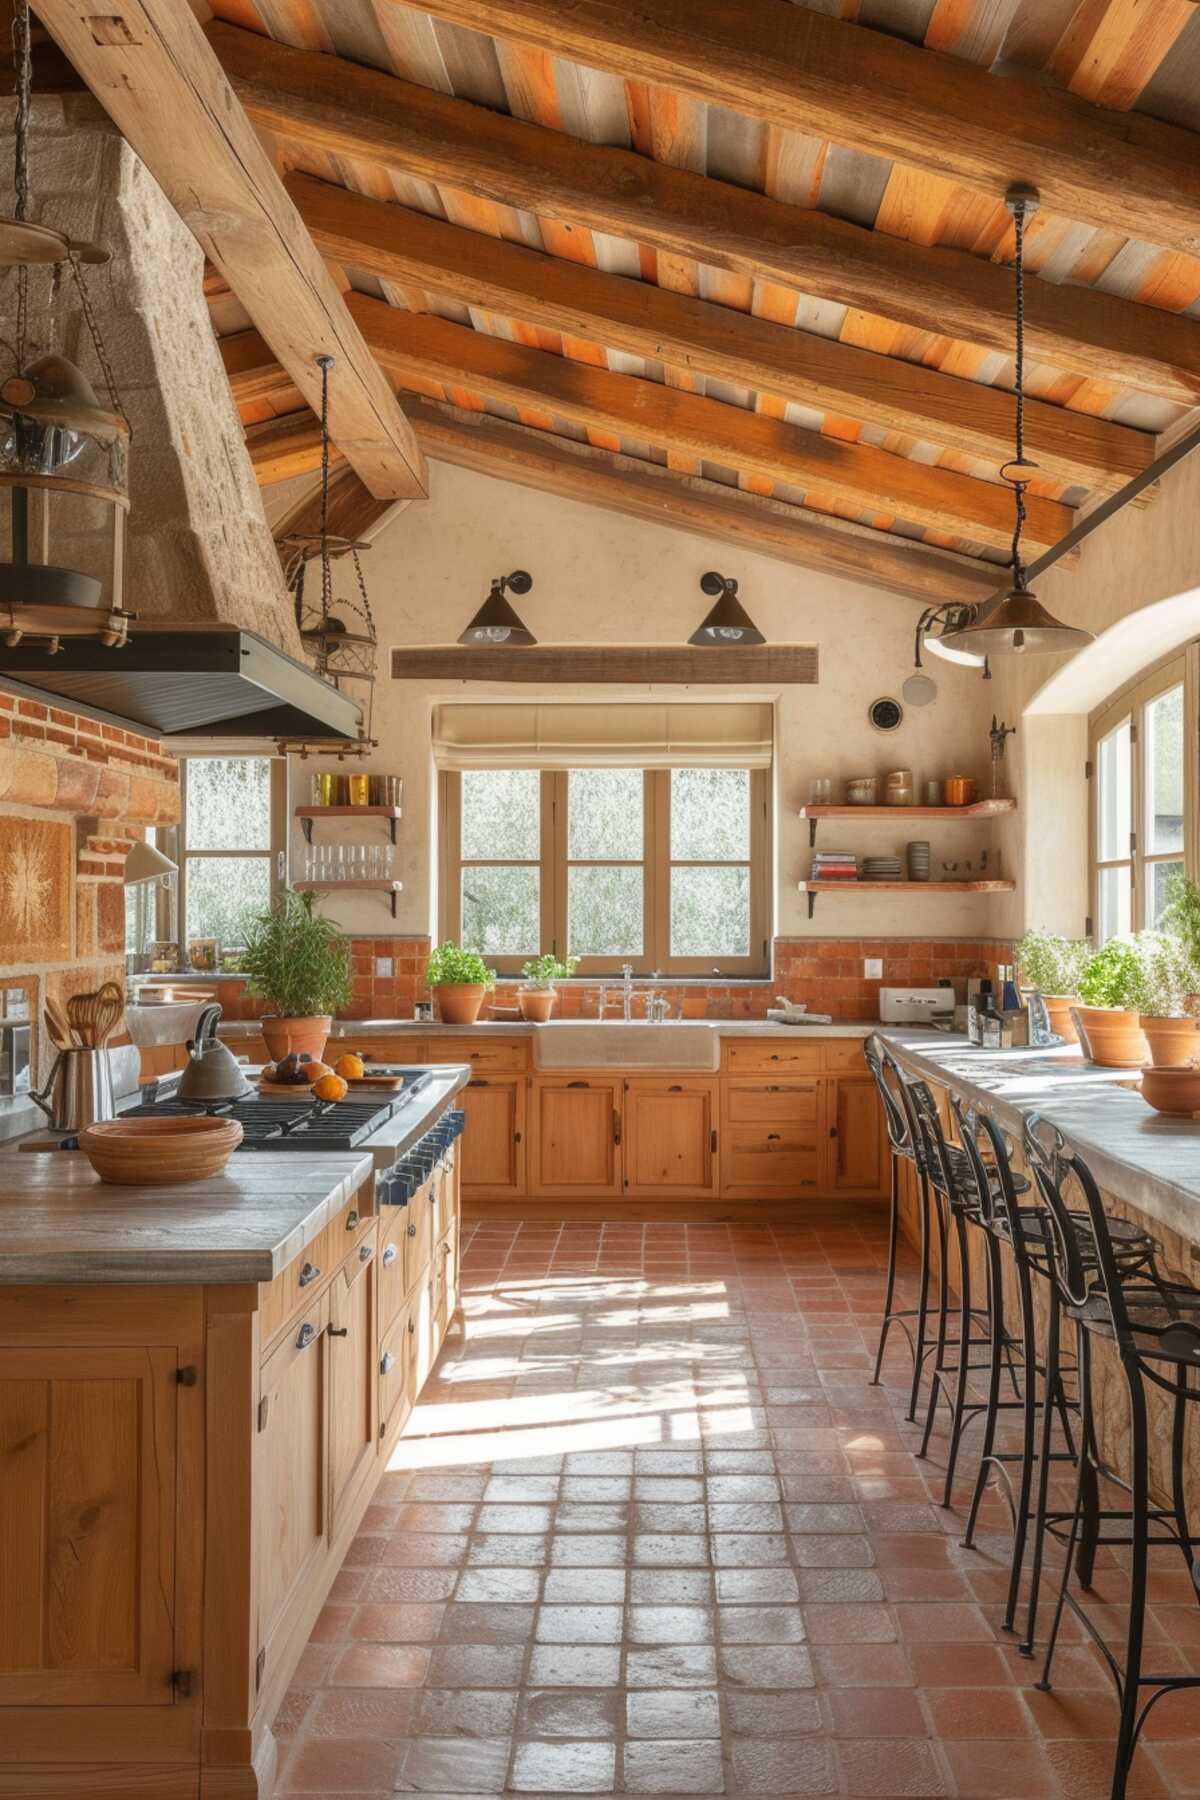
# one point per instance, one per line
(632, 735)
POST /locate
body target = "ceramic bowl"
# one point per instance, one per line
(160, 1152)
(1172, 1091)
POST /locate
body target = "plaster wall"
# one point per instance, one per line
(603, 579)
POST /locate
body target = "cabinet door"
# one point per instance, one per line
(771, 1139)
(670, 1137)
(353, 1357)
(291, 1466)
(392, 1280)
(856, 1151)
(87, 1526)
(397, 1354)
(576, 1137)
(493, 1140)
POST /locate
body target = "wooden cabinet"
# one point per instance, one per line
(493, 1142)
(670, 1135)
(772, 1138)
(856, 1147)
(575, 1135)
(87, 1526)
(291, 1469)
(353, 1360)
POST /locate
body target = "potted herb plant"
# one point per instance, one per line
(299, 963)
(1111, 988)
(1181, 919)
(1054, 966)
(1168, 983)
(459, 979)
(537, 995)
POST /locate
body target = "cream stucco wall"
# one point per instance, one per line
(603, 579)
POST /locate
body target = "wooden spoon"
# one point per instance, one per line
(108, 1011)
(59, 1025)
(81, 1011)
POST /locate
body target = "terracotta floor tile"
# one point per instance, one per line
(574, 1665)
(318, 1764)
(563, 1713)
(682, 1766)
(363, 1712)
(784, 1766)
(455, 1765)
(668, 1712)
(564, 1768)
(381, 1665)
(891, 1769)
(875, 1712)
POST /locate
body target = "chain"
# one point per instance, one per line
(85, 301)
(1019, 373)
(325, 363)
(23, 62)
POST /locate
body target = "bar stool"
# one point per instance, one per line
(1154, 1325)
(889, 1081)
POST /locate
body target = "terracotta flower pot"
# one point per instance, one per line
(536, 1004)
(1058, 1009)
(1111, 1036)
(459, 1002)
(283, 1036)
(1173, 1091)
(1174, 1043)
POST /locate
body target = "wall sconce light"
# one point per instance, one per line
(497, 622)
(145, 863)
(728, 622)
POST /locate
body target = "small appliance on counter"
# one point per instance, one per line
(917, 1006)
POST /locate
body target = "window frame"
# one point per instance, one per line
(656, 863)
(1132, 701)
(275, 854)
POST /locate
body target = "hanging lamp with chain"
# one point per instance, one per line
(61, 451)
(1018, 623)
(339, 635)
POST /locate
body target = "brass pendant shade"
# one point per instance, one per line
(1017, 624)
(497, 622)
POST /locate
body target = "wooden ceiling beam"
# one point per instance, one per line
(326, 107)
(402, 246)
(417, 348)
(633, 488)
(151, 69)
(801, 71)
(353, 513)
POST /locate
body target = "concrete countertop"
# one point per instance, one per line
(232, 1029)
(59, 1223)
(1136, 1154)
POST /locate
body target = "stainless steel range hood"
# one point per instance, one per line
(185, 681)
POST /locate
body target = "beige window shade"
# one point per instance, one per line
(565, 736)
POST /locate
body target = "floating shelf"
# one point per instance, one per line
(978, 809)
(390, 888)
(813, 888)
(306, 815)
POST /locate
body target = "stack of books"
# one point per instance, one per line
(834, 865)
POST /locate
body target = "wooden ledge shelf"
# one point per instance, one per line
(306, 815)
(978, 809)
(813, 888)
(390, 888)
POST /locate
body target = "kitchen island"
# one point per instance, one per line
(200, 1387)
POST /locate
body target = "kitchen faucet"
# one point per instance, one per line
(627, 989)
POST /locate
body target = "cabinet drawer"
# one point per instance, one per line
(480, 1053)
(395, 1362)
(779, 1160)
(419, 1238)
(393, 1263)
(307, 1273)
(743, 1055)
(794, 1102)
(845, 1054)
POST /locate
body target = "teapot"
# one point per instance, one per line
(212, 1072)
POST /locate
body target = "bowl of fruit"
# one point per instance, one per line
(299, 1072)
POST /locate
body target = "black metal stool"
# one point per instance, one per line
(1154, 1325)
(889, 1080)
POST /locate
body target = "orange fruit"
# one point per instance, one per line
(351, 1066)
(330, 1087)
(313, 1072)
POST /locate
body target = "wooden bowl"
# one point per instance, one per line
(160, 1152)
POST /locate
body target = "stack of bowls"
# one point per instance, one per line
(880, 868)
(918, 860)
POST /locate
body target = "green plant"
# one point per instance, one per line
(544, 971)
(1169, 977)
(1052, 964)
(1117, 975)
(297, 962)
(450, 964)
(1181, 915)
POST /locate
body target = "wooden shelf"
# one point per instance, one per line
(306, 815)
(813, 888)
(978, 809)
(390, 888)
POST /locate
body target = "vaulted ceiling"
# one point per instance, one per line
(743, 264)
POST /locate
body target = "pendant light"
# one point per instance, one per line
(145, 863)
(341, 642)
(1019, 623)
(933, 627)
(728, 622)
(497, 622)
(60, 450)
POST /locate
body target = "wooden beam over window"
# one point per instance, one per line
(329, 108)
(633, 488)
(802, 71)
(149, 65)
(402, 246)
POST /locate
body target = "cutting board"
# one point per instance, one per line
(366, 1085)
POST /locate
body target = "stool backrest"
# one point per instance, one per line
(993, 1196)
(926, 1125)
(1075, 1259)
(890, 1082)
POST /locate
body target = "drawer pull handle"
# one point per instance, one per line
(675, 1088)
(411, 1327)
(338, 1330)
(772, 1137)
(387, 1363)
(364, 1253)
(306, 1335)
(390, 1255)
(352, 1220)
(578, 1084)
(308, 1274)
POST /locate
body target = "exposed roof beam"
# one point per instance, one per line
(802, 71)
(636, 489)
(150, 67)
(399, 245)
(328, 107)
(417, 348)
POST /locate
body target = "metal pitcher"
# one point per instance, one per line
(79, 1091)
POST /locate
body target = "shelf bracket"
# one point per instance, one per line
(392, 829)
(306, 826)
(812, 832)
(812, 902)
(393, 900)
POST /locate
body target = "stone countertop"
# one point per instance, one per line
(1149, 1161)
(59, 1223)
(233, 1029)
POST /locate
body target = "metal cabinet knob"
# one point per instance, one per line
(387, 1363)
(390, 1255)
(364, 1253)
(308, 1273)
(306, 1336)
(412, 1231)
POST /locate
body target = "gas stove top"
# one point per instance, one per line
(299, 1124)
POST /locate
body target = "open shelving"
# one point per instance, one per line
(813, 888)
(390, 888)
(307, 814)
(978, 809)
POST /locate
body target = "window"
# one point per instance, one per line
(231, 839)
(666, 869)
(1143, 772)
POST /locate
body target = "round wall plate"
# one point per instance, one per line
(919, 689)
(885, 714)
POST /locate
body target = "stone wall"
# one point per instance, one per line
(74, 795)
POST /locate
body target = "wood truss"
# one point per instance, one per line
(740, 268)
